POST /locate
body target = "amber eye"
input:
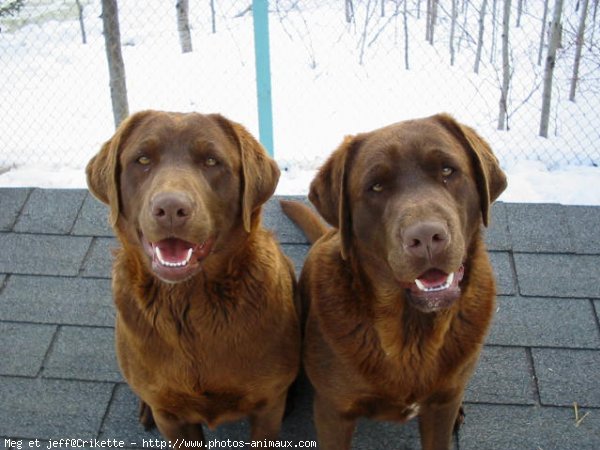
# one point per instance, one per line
(447, 171)
(143, 160)
(211, 162)
(377, 187)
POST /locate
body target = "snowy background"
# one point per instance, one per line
(330, 78)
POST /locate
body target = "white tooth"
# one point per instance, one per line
(160, 257)
(189, 256)
(450, 280)
(420, 285)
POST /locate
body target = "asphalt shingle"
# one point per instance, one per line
(57, 300)
(544, 322)
(42, 255)
(98, 263)
(503, 270)
(83, 353)
(11, 204)
(285, 230)
(297, 253)
(567, 376)
(585, 233)
(560, 275)
(93, 219)
(51, 409)
(539, 228)
(496, 235)
(504, 376)
(23, 347)
(50, 211)
(502, 427)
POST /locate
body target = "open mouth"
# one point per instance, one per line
(435, 289)
(175, 260)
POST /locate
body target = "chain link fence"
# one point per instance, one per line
(338, 67)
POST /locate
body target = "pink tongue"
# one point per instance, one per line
(433, 277)
(173, 250)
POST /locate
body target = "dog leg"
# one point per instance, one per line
(266, 423)
(334, 432)
(145, 416)
(173, 428)
(436, 424)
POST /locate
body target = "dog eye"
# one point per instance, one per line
(211, 162)
(377, 187)
(447, 171)
(143, 160)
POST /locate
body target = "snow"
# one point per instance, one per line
(59, 88)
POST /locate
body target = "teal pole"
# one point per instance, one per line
(260, 12)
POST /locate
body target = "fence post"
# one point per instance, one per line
(260, 13)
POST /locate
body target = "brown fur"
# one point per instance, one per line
(370, 350)
(222, 342)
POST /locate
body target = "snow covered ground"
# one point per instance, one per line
(55, 110)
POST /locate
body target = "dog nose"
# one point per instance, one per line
(171, 209)
(426, 239)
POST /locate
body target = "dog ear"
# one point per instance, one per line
(103, 169)
(491, 180)
(329, 191)
(260, 173)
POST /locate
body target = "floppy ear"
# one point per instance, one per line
(329, 192)
(103, 169)
(260, 173)
(491, 180)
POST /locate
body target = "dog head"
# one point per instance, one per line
(409, 199)
(180, 186)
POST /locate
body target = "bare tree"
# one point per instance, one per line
(432, 8)
(454, 14)
(116, 68)
(81, 22)
(213, 16)
(543, 33)
(519, 12)
(578, 47)
(405, 20)
(503, 113)
(494, 32)
(183, 25)
(549, 68)
(591, 43)
(349, 6)
(480, 35)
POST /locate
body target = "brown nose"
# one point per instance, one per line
(426, 239)
(171, 209)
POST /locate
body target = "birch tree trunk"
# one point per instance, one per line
(503, 113)
(434, 12)
(519, 13)
(349, 10)
(480, 36)
(578, 47)
(494, 31)
(183, 25)
(452, 31)
(543, 34)
(81, 22)
(549, 68)
(116, 68)
(213, 16)
(591, 43)
(405, 20)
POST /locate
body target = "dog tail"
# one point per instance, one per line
(308, 220)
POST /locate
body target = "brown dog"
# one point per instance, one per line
(207, 329)
(400, 293)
